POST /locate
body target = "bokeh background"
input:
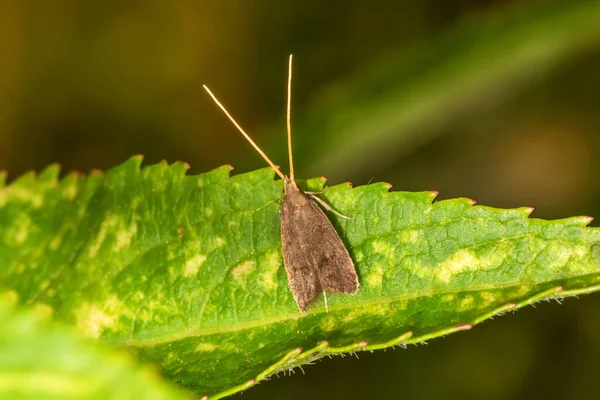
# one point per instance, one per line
(495, 100)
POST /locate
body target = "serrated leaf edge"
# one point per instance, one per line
(297, 357)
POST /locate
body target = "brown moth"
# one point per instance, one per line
(315, 258)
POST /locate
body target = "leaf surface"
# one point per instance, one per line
(188, 270)
(39, 360)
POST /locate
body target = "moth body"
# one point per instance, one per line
(315, 257)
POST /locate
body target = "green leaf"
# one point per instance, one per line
(39, 360)
(188, 269)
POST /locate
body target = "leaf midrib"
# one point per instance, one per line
(197, 332)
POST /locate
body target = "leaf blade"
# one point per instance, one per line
(188, 269)
(64, 366)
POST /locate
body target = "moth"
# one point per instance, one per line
(316, 260)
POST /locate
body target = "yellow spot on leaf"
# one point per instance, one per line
(560, 253)
(519, 291)
(580, 251)
(467, 261)
(240, 271)
(383, 248)
(415, 267)
(375, 277)
(459, 262)
(466, 303)
(124, 237)
(271, 263)
(328, 325)
(92, 320)
(193, 265)
(448, 298)
(110, 224)
(70, 191)
(401, 304)
(16, 193)
(193, 246)
(488, 299)
(206, 347)
(359, 313)
(153, 309)
(20, 229)
(411, 236)
(358, 256)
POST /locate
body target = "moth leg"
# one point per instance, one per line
(326, 305)
(327, 206)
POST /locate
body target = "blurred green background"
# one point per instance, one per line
(490, 99)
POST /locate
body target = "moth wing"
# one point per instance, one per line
(334, 266)
(315, 257)
(299, 264)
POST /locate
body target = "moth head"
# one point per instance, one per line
(289, 185)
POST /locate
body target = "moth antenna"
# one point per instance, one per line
(262, 153)
(289, 118)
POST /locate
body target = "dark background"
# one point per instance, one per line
(470, 112)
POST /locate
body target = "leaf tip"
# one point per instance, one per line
(320, 180)
(529, 209)
(136, 160)
(587, 219)
(471, 201)
(50, 173)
